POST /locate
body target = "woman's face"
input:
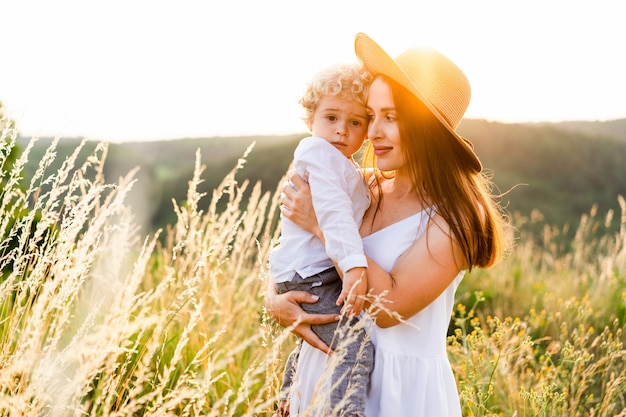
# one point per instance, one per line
(383, 131)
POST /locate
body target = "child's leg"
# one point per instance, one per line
(327, 288)
(351, 375)
(327, 285)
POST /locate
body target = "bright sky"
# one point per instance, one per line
(149, 69)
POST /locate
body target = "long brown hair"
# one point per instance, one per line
(441, 175)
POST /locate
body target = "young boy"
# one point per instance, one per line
(334, 104)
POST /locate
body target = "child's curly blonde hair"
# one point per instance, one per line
(347, 81)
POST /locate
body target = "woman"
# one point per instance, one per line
(430, 220)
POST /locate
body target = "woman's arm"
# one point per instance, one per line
(297, 205)
(420, 274)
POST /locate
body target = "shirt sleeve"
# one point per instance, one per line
(328, 169)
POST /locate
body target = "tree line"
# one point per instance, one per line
(560, 170)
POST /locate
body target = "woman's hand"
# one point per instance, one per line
(285, 309)
(297, 204)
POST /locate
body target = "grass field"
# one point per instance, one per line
(96, 320)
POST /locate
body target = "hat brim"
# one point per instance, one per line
(378, 62)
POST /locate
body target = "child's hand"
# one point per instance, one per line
(353, 291)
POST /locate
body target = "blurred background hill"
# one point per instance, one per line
(560, 170)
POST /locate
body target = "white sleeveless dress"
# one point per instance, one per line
(412, 376)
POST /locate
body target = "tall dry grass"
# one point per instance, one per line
(96, 320)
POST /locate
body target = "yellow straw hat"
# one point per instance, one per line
(428, 75)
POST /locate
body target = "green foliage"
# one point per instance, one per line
(615, 129)
(559, 173)
(542, 333)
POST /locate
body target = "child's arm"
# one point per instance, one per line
(353, 291)
(331, 179)
(308, 221)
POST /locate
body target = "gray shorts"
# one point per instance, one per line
(350, 377)
(327, 285)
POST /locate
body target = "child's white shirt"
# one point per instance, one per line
(340, 198)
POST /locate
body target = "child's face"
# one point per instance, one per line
(343, 123)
